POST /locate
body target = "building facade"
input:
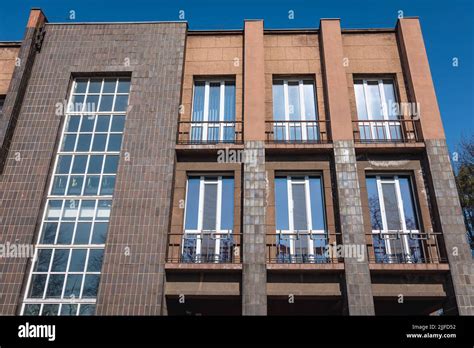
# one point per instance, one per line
(162, 171)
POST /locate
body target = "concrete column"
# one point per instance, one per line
(446, 200)
(254, 273)
(357, 273)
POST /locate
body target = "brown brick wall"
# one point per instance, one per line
(140, 213)
(8, 55)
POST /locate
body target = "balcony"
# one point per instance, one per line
(406, 247)
(387, 131)
(301, 247)
(204, 247)
(297, 132)
(209, 132)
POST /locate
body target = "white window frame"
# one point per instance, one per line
(385, 234)
(289, 123)
(80, 198)
(216, 234)
(221, 123)
(309, 232)
(386, 123)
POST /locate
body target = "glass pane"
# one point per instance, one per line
(75, 185)
(192, 204)
(66, 230)
(390, 99)
(103, 210)
(87, 124)
(360, 100)
(210, 207)
(121, 102)
(50, 309)
(95, 260)
(73, 124)
(214, 101)
(87, 309)
(91, 285)
(92, 185)
(102, 124)
(294, 101)
(374, 104)
(106, 103)
(32, 309)
(123, 86)
(68, 309)
(59, 185)
(80, 86)
(70, 210)
(95, 164)
(100, 233)
(79, 165)
(38, 282)
(107, 186)
(87, 210)
(95, 85)
(69, 142)
(317, 208)
(281, 202)
(198, 102)
(115, 141)
(78, 260)
(55, 286)
(118, 123)
(84, 142)
(60, 260)
(83, 231)
(278, 101)
(76, 104)
(109, 86)
(49, 233)
(99, 142)
(374, 204)
(392, 213)
(53, 210)
(300, 220)
(64, 163)
(42, 263)
(309, 100)
(73, 286)
(229, 101)
(227, 206)
(111, 164)
(411, 220)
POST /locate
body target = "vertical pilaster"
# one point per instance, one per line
(357, 273)
(446, 199)
(254, 276)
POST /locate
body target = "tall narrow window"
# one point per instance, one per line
(300, 219)
(209, 219)
(65, 276)
(294, 110)
(394, 219)
(377, 106)
(213, 115)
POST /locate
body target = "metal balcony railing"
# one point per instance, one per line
(387, 131)
(209, 132)
(289, 132)
(394, 246)
(204, 247)
(302, 247)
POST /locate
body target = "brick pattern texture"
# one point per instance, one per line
(452, 224)
(254, 272)
(358, 283)
(152, 53)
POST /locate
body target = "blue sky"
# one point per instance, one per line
(447, 29)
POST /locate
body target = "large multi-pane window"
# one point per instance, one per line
(65, 276)
(213, 115)
(294, 110)
(209, 219)
(300, 218)
(377, 105)
(394, 220)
